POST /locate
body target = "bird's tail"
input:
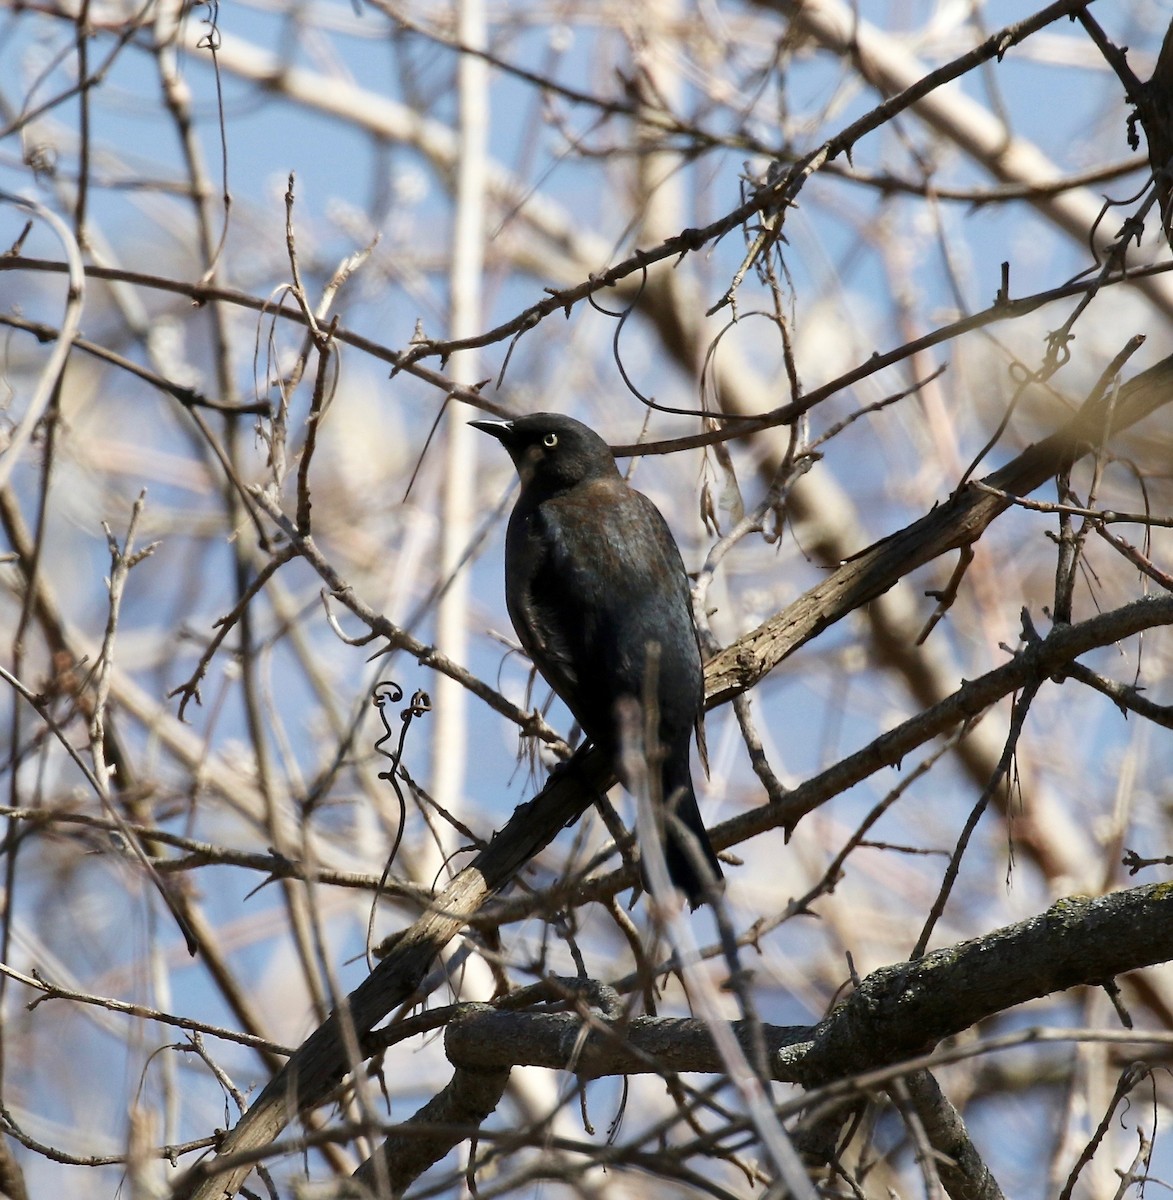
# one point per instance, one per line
(687, 849)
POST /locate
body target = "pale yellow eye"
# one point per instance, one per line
(550, 441)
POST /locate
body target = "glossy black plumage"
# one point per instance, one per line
(592, 578)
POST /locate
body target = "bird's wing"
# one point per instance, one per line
(540, 602)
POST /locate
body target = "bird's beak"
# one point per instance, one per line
(498, 429)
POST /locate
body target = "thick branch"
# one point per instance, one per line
(897, 1012)
(467, 1100)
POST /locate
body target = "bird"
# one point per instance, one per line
(595, 587)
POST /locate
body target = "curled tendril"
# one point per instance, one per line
(385, 694)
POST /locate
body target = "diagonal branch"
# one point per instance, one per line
(960, 521)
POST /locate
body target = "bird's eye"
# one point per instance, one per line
(550, 440)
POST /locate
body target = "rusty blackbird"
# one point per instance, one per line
(593, 580)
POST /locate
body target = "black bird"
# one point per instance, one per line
(593, 579)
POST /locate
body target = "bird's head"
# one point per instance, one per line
(552, 452)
